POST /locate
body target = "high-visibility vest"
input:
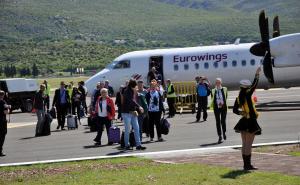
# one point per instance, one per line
(246, 110)
(70, 92)
(47, 90)
(213, 93)
(172, 95)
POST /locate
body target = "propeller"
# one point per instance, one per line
(263, 48)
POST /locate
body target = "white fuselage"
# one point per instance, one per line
(229, 62)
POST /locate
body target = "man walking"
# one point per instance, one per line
(203, 91)
(171, 97)
(61, 102)
(219, 105)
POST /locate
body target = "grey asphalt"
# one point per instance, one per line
(279, 121)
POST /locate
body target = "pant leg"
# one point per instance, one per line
(107, 126)
(135, 126)
(198, 116)
(141, 120)
(157, 123)
(64, 112)
(47, 102)
(2, 139)
(59, 115)
(127, 122)
(99, 129)
(151, 124)
(217, 113)
(223, 119)
(204, 107)
(146, 124)
(77, 104)
(39, 122)
(173, 106)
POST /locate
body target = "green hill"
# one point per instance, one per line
(59, 34)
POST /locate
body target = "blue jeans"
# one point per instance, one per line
(132, 120)
(40, 116)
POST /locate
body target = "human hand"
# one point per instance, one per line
(258, 70)
(141, 109)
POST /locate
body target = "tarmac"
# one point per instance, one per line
(188, 141)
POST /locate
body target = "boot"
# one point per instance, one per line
(247, 163)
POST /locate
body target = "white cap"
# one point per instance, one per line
(245, 83)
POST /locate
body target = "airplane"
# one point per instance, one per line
(279, 56)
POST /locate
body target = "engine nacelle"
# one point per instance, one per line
(286, 50)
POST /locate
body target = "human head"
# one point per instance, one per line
(45, 82)
(104, 92)
(106, 82)
(71, 83)
(197, 79)
(132, 84)
(75, 89)
(168, 81)
(202, 78)
(42, 87)
(140, 85)
(153, 84)
(245, 84)
(101, 84)
(62, 84)
(153, 69)
(2, 94)
(218, 82)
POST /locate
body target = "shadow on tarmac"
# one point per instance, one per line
(234, 174)
(210, 144)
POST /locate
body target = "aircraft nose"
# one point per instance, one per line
(92, 82)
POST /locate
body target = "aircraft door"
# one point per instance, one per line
(157, 62)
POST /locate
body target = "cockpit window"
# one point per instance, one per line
(122, 64)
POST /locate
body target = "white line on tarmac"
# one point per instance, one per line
(16, 125)
(145, 154)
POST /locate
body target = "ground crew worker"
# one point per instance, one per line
(47, 94)
(247, 125)
(218, 103)
(203, 91)
(171, 97)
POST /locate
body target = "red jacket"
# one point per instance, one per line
(111, 111)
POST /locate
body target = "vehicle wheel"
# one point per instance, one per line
(28, 105)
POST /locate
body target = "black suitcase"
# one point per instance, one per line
(164, 126)
(92, 124)
(46, 125)
(131, 139)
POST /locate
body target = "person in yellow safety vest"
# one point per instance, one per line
(247, 125)
(219, 104)
(70, 92)
(171, 97)
(47, 94)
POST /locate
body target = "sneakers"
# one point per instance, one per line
(224, 136)
(127, 148)
(250, 167)
(151, 139)
(98, 143)
(140, 147)
(220, 140)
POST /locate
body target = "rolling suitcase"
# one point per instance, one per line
(72, 122)
(131, 139)
(114, 134)
(92, 121)
(46, 126)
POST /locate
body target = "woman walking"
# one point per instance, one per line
(247, 125)
(155, 109)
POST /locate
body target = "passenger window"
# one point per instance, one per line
(252, 62)
(122, 64)
(196, 66)
(216, 64)
(234, 63)
(176, 67)
(225, 64)
(244, 62)
(206, 65)
(186, 67)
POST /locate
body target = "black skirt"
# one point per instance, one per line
(248, 125)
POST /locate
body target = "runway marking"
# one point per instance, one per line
(17, 125)
(145, 154)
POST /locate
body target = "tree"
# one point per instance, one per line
(35, 70)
